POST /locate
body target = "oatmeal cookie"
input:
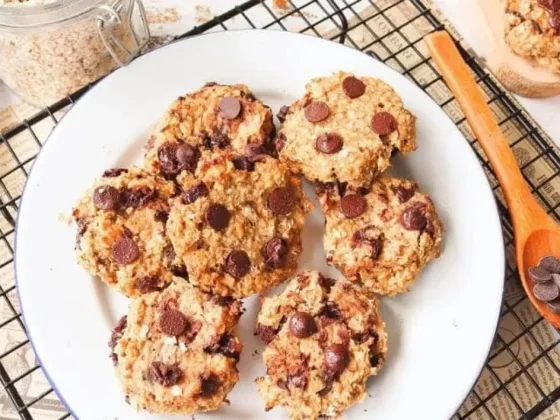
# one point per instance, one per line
(175, 352)
(345, 129)
(532, 30)
(213, 117)
(382, 238)
(244, 221)
(121, 231)
(324, 339)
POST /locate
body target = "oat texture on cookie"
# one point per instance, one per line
(175, 351)
(324, 339)
(532, 30)
(345, 129)
(212, 118)
(383, 237)
(243, 221)
(121, 231)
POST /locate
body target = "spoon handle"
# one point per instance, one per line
(468, 94)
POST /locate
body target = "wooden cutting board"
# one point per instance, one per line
(519, 75)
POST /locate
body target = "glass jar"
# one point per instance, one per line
(50, 50)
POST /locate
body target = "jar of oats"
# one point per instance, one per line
(51, 48)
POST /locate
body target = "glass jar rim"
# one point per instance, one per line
(42, 15)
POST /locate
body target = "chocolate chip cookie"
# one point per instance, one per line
(244, 220)
(345, 129)
(532, 30)
(324, 339)
(121, 231)
(382, 237)
(176, 352)
(214, 117)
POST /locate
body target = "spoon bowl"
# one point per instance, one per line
(536, 234)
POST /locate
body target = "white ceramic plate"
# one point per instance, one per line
(439, 334)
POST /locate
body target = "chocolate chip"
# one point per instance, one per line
(209, 384)
(404, 194)
(276, 253)
(414, 217)
(282, 113)
(238, 264)
(329, 314)
(298, 381)
(217, 216)
(186, 155)
(114, 172)
(550, 264)
(137, 197)
(148, 284)
(172, 322)
(383, 123)
(328, 143)
(554, 305)
(106, 197)
(281, 201)
(217, 140)
(302, 325)
(336, 358)
(546, 291)
(117, 332)
(326, 283)
(124, 250)
(175, 158)
(179, 270)
(279, 142)
(539, 274)
(265, 333)
(326, 389)
(316, 111)
(369, 237)
(353, 87)
(161, 216)
(194, 193)
(226, 345)
(550, 5)
(375, 359)
(554, 21)
(353, 205)
(255, 152)
(230, 107)
(243, 163)
(166, 375)
(556, 279)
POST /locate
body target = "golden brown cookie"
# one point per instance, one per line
(176, 352)
(237, 228)
(214, 117)
(121, 231)
(532, 30)
(344, 129)
(382, 238)
(324, 339)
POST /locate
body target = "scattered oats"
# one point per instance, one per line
(170, 340)
(183, 347)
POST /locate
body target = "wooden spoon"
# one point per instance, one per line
(536, 234)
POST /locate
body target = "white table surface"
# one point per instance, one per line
(544, 111)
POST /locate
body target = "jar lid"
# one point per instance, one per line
(41, 13)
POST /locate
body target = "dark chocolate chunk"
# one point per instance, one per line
(546, 292)
(383, 123)
(282, 113)
(238, 264)
(226, 345)
(353, 87)
(124, 250)
(148, 284)
(114, 172)
(316, 111)
(329, 143)
(336, 359)
(276, 253)
(106, 197)
(266, 333)
(230, 107)
(550, 264)
(404, 194)
(172, 322)
(194, 193)
(166, 375)
(539, 274)
(353, 205)
(282, 201)
(217, 216)
(414, 217)
(302, 325)
(209, 384)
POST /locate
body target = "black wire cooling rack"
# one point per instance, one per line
(526, 350)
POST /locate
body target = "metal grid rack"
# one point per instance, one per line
(390, 31)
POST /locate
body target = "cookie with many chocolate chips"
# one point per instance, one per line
(532, 30)
(382, 238)
(121, 231)
(243, 225)
(324, 338)
(176, 352)
(214, 117)
(344, 129)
